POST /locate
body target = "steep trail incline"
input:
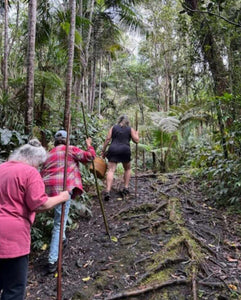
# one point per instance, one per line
(167, 243)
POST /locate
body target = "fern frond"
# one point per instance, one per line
(165, 123)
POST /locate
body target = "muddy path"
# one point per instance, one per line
(168, 242)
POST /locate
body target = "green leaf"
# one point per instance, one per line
(6, 136)
(114, 239)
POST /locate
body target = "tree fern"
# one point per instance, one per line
(167, 124)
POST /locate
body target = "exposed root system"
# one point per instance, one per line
(168, 243)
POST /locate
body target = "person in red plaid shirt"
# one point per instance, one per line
(53, 176)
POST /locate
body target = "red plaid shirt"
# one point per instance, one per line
(53, 169)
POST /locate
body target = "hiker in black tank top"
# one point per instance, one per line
(119, 151)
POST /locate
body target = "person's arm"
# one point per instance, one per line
(83, 156)
(134, 136)
(106, 143)
(53, 201)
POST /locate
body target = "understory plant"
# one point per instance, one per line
(223, 180)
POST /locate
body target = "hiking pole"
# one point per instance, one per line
(136, 158)
(96, 181)
(59, 278)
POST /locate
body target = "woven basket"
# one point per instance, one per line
(100, 167)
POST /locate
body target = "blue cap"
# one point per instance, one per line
(61, 133)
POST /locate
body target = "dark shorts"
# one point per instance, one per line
(119, 153)
(13, 277)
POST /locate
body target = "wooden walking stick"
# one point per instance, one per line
(136, 158)
(96, 181)
(59, 278)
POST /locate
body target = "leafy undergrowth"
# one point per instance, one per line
(167, 242)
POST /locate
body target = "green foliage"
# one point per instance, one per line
(41, 230)
(9, 140)
(220, 177)
(223, 180)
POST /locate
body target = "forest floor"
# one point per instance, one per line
(167, 243)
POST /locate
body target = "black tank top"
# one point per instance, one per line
(121, 135)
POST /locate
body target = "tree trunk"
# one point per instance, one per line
(89, 32)
(100, 89)
(32, 8)
(93, 83)
(14, 37)
(69, 72)
(78, 91)
(235, 72)
(5, 58)
(87, 55)
(212, 55)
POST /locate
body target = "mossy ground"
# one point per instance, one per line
(155, 243)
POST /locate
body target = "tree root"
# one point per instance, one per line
(203, 244)
(153, 225)
(146, 289)
(211, 284)
(194, 268)
(149, 257)
(142, 207)
(162, 265)
(161, 205)
(152, 207)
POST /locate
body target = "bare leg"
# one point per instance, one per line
(127, 174)
(110, 175)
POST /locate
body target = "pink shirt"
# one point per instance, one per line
(22, 191)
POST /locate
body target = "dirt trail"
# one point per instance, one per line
(167, 243)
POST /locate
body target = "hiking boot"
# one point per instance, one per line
(106, 196)
(52, 268)
(125, 192)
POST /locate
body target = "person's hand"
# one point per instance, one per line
(65, 195)
(88, 141)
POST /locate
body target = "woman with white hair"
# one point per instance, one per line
(119, 151)
(22, 194)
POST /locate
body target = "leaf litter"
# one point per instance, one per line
(166, 243)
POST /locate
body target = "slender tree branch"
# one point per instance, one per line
(210, 13)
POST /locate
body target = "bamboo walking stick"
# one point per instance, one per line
(136, 158)
(96, 181)
(59, 278)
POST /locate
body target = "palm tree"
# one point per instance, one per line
(69, 71)
(212, 54)
(32, 8)
(5, 59)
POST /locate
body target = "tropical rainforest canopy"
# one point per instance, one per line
(173, 64)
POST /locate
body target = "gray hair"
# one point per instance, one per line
(123, 120)
(32, 153)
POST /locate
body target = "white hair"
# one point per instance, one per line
(32, 153)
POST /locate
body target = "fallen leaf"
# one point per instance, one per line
(231, 244)
(44, 247)
(114, 239)
(232, 287)
(229, 258)
(119, 199)
(89, 263)
(86, 279)
(174, 276)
